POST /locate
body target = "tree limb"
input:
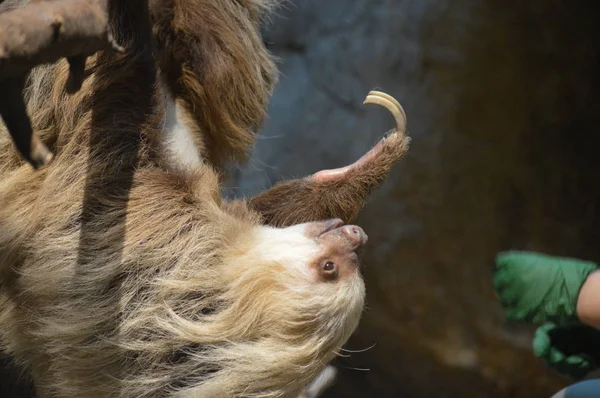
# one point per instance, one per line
(41, 33)
(8, 5)
(45, 32)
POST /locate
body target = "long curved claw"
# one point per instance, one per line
(389, 98)
(389, 103)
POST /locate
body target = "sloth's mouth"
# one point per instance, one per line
(330, 225)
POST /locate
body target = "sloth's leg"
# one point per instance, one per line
(337, 193)
(216, 67)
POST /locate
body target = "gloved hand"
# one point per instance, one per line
(572, 350)
(537, 288)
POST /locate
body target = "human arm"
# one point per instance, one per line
(588, 301)
(538, 288)
(563, 296)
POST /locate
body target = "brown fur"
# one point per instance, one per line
(214, 59)
(123, 276)
(312, 198)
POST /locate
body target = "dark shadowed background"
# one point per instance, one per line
(502, 99)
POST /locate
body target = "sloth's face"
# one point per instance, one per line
(305, 278)
(338, 256)
(323, 251)
(321, 275)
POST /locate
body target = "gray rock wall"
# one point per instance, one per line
(502, 106)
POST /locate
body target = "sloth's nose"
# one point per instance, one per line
(355, 235)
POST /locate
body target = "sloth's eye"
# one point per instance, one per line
(329, 267)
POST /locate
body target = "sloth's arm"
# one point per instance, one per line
(337, 193)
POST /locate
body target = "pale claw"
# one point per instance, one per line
(389, 103)
(397, 141)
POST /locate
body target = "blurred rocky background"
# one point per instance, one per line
(502, 99)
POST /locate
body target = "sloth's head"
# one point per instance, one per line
(301, 283)
(283, 301)
(323, 252)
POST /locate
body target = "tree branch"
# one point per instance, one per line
(7, 5)
(48, 31)
(41, 33)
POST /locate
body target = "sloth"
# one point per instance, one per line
(125, 273)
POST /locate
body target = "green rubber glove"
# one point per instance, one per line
(572, 350)
(537, 288)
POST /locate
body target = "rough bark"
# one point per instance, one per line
(41, 33)
(45, 32)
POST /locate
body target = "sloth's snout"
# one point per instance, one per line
(340, 247)
(354, 235)
(330, 225)
(317, 229)
(334, 230)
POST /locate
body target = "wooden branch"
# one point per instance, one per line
(45, 32)
(41, 33)
(7, 5)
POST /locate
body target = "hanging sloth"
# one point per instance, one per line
(124, 273)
